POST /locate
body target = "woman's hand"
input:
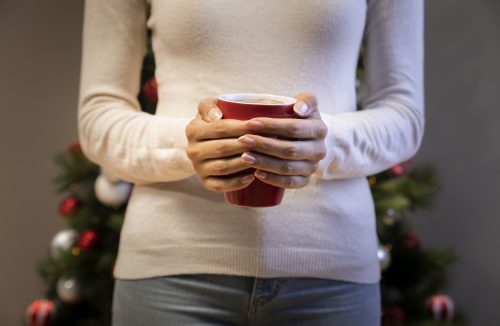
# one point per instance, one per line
(215, 151)
(280, 162)
(287, 163)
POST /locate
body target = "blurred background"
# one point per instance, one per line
(40, 43)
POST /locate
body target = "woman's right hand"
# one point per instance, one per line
(215, 151)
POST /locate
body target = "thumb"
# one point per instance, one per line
(208, 110)
(306, 105)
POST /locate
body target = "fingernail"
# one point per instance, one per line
(255, 125)
(247, 179)
(214, 114)
(300, 108)
(247, 158)
(260, 174)
(247, 141)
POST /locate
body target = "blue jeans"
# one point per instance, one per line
(204, 299)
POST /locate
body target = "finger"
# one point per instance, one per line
(213, 149)
(283, 181)
(208, 110)
(285, 149)
(306, 105)
(221, 167)
(291, 128)
(225, 184)
(278, 166)
(198, 129)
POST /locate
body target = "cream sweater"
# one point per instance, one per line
(205, 48)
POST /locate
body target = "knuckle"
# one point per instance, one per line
(219, 129)
(203, 104)
(290, 182)
(322, 152)
(189, 131)
(322, 130)
(319, 152)
(213, 185)
(314, 168)
(191, 152)
(296, 129)
(264, 146)
(220, 167)
(287, 168)
(219, 150)
(291, 151)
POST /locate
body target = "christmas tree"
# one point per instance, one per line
(78, 269)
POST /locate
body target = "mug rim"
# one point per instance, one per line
(240, 98)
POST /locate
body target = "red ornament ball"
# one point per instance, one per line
(150, 90)
(440, 307)
(398, 170)
(393, 315)
(68, 206)
(88, 240)
(75, 148)
(411, 240)
(40, 313)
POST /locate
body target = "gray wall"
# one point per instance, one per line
(462, 140)
(39, 71)
(39, 74)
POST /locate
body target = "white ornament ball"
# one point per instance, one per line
(68, 290)
(384, 257)
(111, 194)
(110, 176)
(62, 242)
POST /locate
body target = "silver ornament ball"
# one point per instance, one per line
(62, 242)
(384, 257)
(111, 194)
(68, 290)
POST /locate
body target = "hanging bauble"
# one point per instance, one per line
(111, 194)
(68, 206)
(440, 307)
(150, 90)
(384, 257)
(393, 315)
(411, 240)
(62, 242)
(40, 313)
(401, 168)
(398, 170)
(88, 240)
(74, 147)
(68, 290)
(110, 176)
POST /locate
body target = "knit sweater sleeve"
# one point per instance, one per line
(133, 145)
(389, 128)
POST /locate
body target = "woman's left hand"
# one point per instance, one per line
(287, 163)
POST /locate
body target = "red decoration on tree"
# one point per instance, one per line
(411, 240)
(40, 313)
(150, 90)
(393, 316)
(400, 169)
(440, 307)
(75, 148)
(88, 240)
(68, 206)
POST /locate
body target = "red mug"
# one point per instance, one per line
(245, 106)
